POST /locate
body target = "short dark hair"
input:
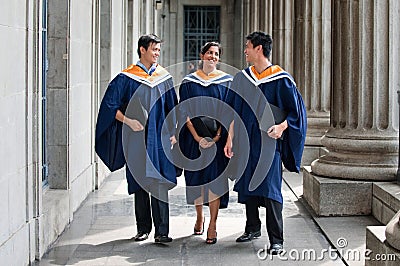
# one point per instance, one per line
(261, 38)
(207, 45)
(146, 40)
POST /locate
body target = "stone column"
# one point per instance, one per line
(363, 136)
(105, 45)
(248, 21)
(57, 94)
(266, 22)
(260, 16)
(312, 56)
(256, 16)
(282, 33)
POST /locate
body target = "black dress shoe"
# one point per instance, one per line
(141, 236)
(246, 237)
(162, 239)
(275, 249)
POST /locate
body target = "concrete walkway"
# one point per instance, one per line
(103, 228)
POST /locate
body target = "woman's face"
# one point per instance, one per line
(211, 57)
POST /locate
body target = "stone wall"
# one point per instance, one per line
(18, 129)
(33, 215)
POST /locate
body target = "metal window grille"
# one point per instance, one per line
(202, 24)
(44, 85)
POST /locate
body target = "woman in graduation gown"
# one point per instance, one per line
(202, 138)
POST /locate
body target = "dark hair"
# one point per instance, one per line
(261, 38)
(207, 45)
(146, 40)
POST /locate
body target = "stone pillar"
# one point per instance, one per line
(312, 56)
(256, 16)
(363, 136)
(247, 20)
(260, 16)
(105, 45)
(282, 33)
(129, 38)
(266, 21)
(57, 94)
(238, 31)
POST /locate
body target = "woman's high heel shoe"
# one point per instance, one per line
(211, 240)
(201, 231)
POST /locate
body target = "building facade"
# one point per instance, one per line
(66, 52)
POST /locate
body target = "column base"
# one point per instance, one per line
(336, 197)
(354, 155)
(311, 153)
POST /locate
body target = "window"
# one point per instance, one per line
(202, 24)
(44, 87)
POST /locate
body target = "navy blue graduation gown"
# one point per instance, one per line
(142, 152)
(280, 90)
(204, 95)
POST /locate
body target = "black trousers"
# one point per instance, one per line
(274, 220)
(159, 210)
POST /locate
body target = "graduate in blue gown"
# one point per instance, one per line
(131, 130)
(254, 88)
(203, 94)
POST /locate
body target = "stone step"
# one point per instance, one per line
(385, 200)
(378, 252)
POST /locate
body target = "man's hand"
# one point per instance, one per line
(229, 141)
(228, 148)
(276, 131)
(173, 140)
(134, 124)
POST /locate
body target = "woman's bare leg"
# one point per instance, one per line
(199, 213)
(214, 208)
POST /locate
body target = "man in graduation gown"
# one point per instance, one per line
(271, 142)
(134, 123)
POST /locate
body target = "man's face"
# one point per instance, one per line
(150, 56)
(250, 52)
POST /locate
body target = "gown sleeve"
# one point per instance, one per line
(171, 102)
(183, 113)
(108, 137)
(294, 136)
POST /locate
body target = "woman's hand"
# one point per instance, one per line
(218, 136)
(205, 144)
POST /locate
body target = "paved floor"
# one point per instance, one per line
(102, 230)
